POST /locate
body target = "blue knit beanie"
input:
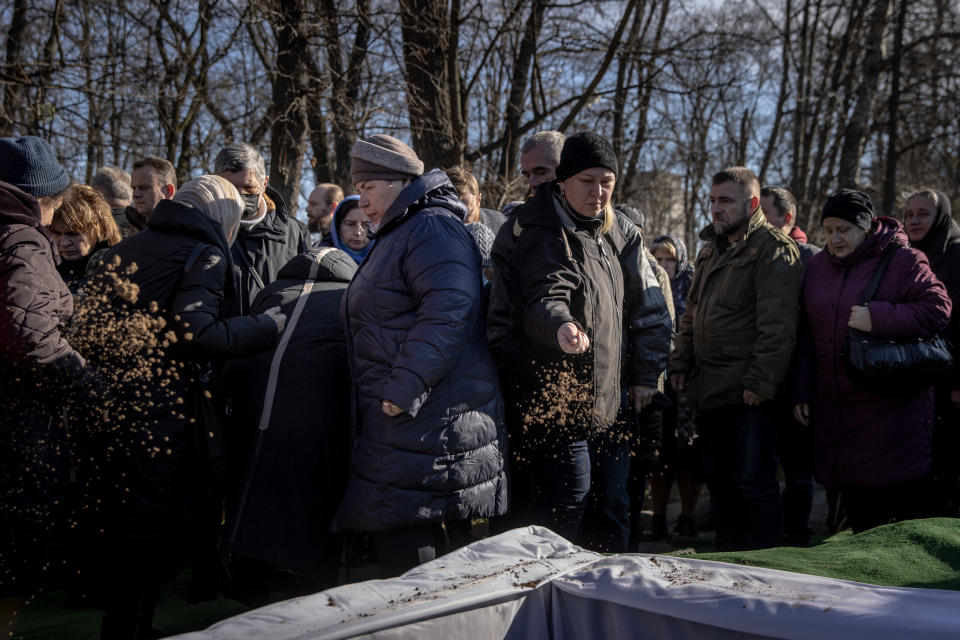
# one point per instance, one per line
(31, 164)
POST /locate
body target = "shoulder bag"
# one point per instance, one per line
(880, 362)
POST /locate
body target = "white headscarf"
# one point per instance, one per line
(217, 198)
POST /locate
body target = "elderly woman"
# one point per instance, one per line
(873, 445)
(428, 444)
(571, 276)
(83, 228)
(350, 229)
(154, 316)
(932, 230)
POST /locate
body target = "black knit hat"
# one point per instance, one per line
(31, 164)
(583, 151)
(851, 205)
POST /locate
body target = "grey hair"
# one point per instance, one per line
(113, 183)
(240, 156)
(552, 139)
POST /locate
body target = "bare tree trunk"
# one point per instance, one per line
(873, 62)
(13, 69)
(519, 81)
(428, 35)
(290, 90)
(893, 114)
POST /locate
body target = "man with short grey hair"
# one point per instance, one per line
(268, 237)
(539, 157)
(113, 183)
(780, 208)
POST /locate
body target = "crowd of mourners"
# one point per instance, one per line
(190, 377)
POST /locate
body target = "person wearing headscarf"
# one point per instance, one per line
(153, 316)
(872, 444)
(932, 230)
(350, 229)
(428, 440)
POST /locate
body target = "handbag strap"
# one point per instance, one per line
(874, 284)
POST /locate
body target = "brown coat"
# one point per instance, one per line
(740, 326)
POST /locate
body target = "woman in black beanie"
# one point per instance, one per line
(565, 276)
(873, 445)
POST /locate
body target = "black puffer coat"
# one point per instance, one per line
(290, 423)
(162, 436)
(413, 314)
(550, 269)
(259, 253)
(39, 374)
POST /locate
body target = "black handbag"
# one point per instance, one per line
(880, 362)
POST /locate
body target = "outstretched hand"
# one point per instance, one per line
(572, 339)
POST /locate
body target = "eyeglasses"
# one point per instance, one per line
(352, 224)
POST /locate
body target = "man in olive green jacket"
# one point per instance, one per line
(732, 353)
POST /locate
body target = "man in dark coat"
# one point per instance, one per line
(429, 438)
(732, 354)
(39, 374)
(289, 423)
(268, 238)
(932, 230)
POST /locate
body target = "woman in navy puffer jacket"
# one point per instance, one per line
(429, 435)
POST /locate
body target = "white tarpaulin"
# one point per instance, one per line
(531, 583)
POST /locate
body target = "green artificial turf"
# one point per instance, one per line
(915, 553)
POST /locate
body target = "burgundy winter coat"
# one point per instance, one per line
(867, 438)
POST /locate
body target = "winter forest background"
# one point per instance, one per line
(811, 94)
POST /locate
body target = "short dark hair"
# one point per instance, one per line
(742, 176)
(783, 200)
(162, 166)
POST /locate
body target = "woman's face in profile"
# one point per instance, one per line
(589, 192)
(842, 236)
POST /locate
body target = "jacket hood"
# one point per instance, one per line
(335, 266)
(19, 207)
(180, 218)
(680, 246)
(943, 232)
(432, 189)
(883, 233)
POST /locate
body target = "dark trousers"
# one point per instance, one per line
(606, 520)
(558, 481)
(738, 449)
(399, 550)
(867, 508)
(795, 450)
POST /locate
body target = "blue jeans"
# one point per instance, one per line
(738, 449)
(559, 482)
(606, 522)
